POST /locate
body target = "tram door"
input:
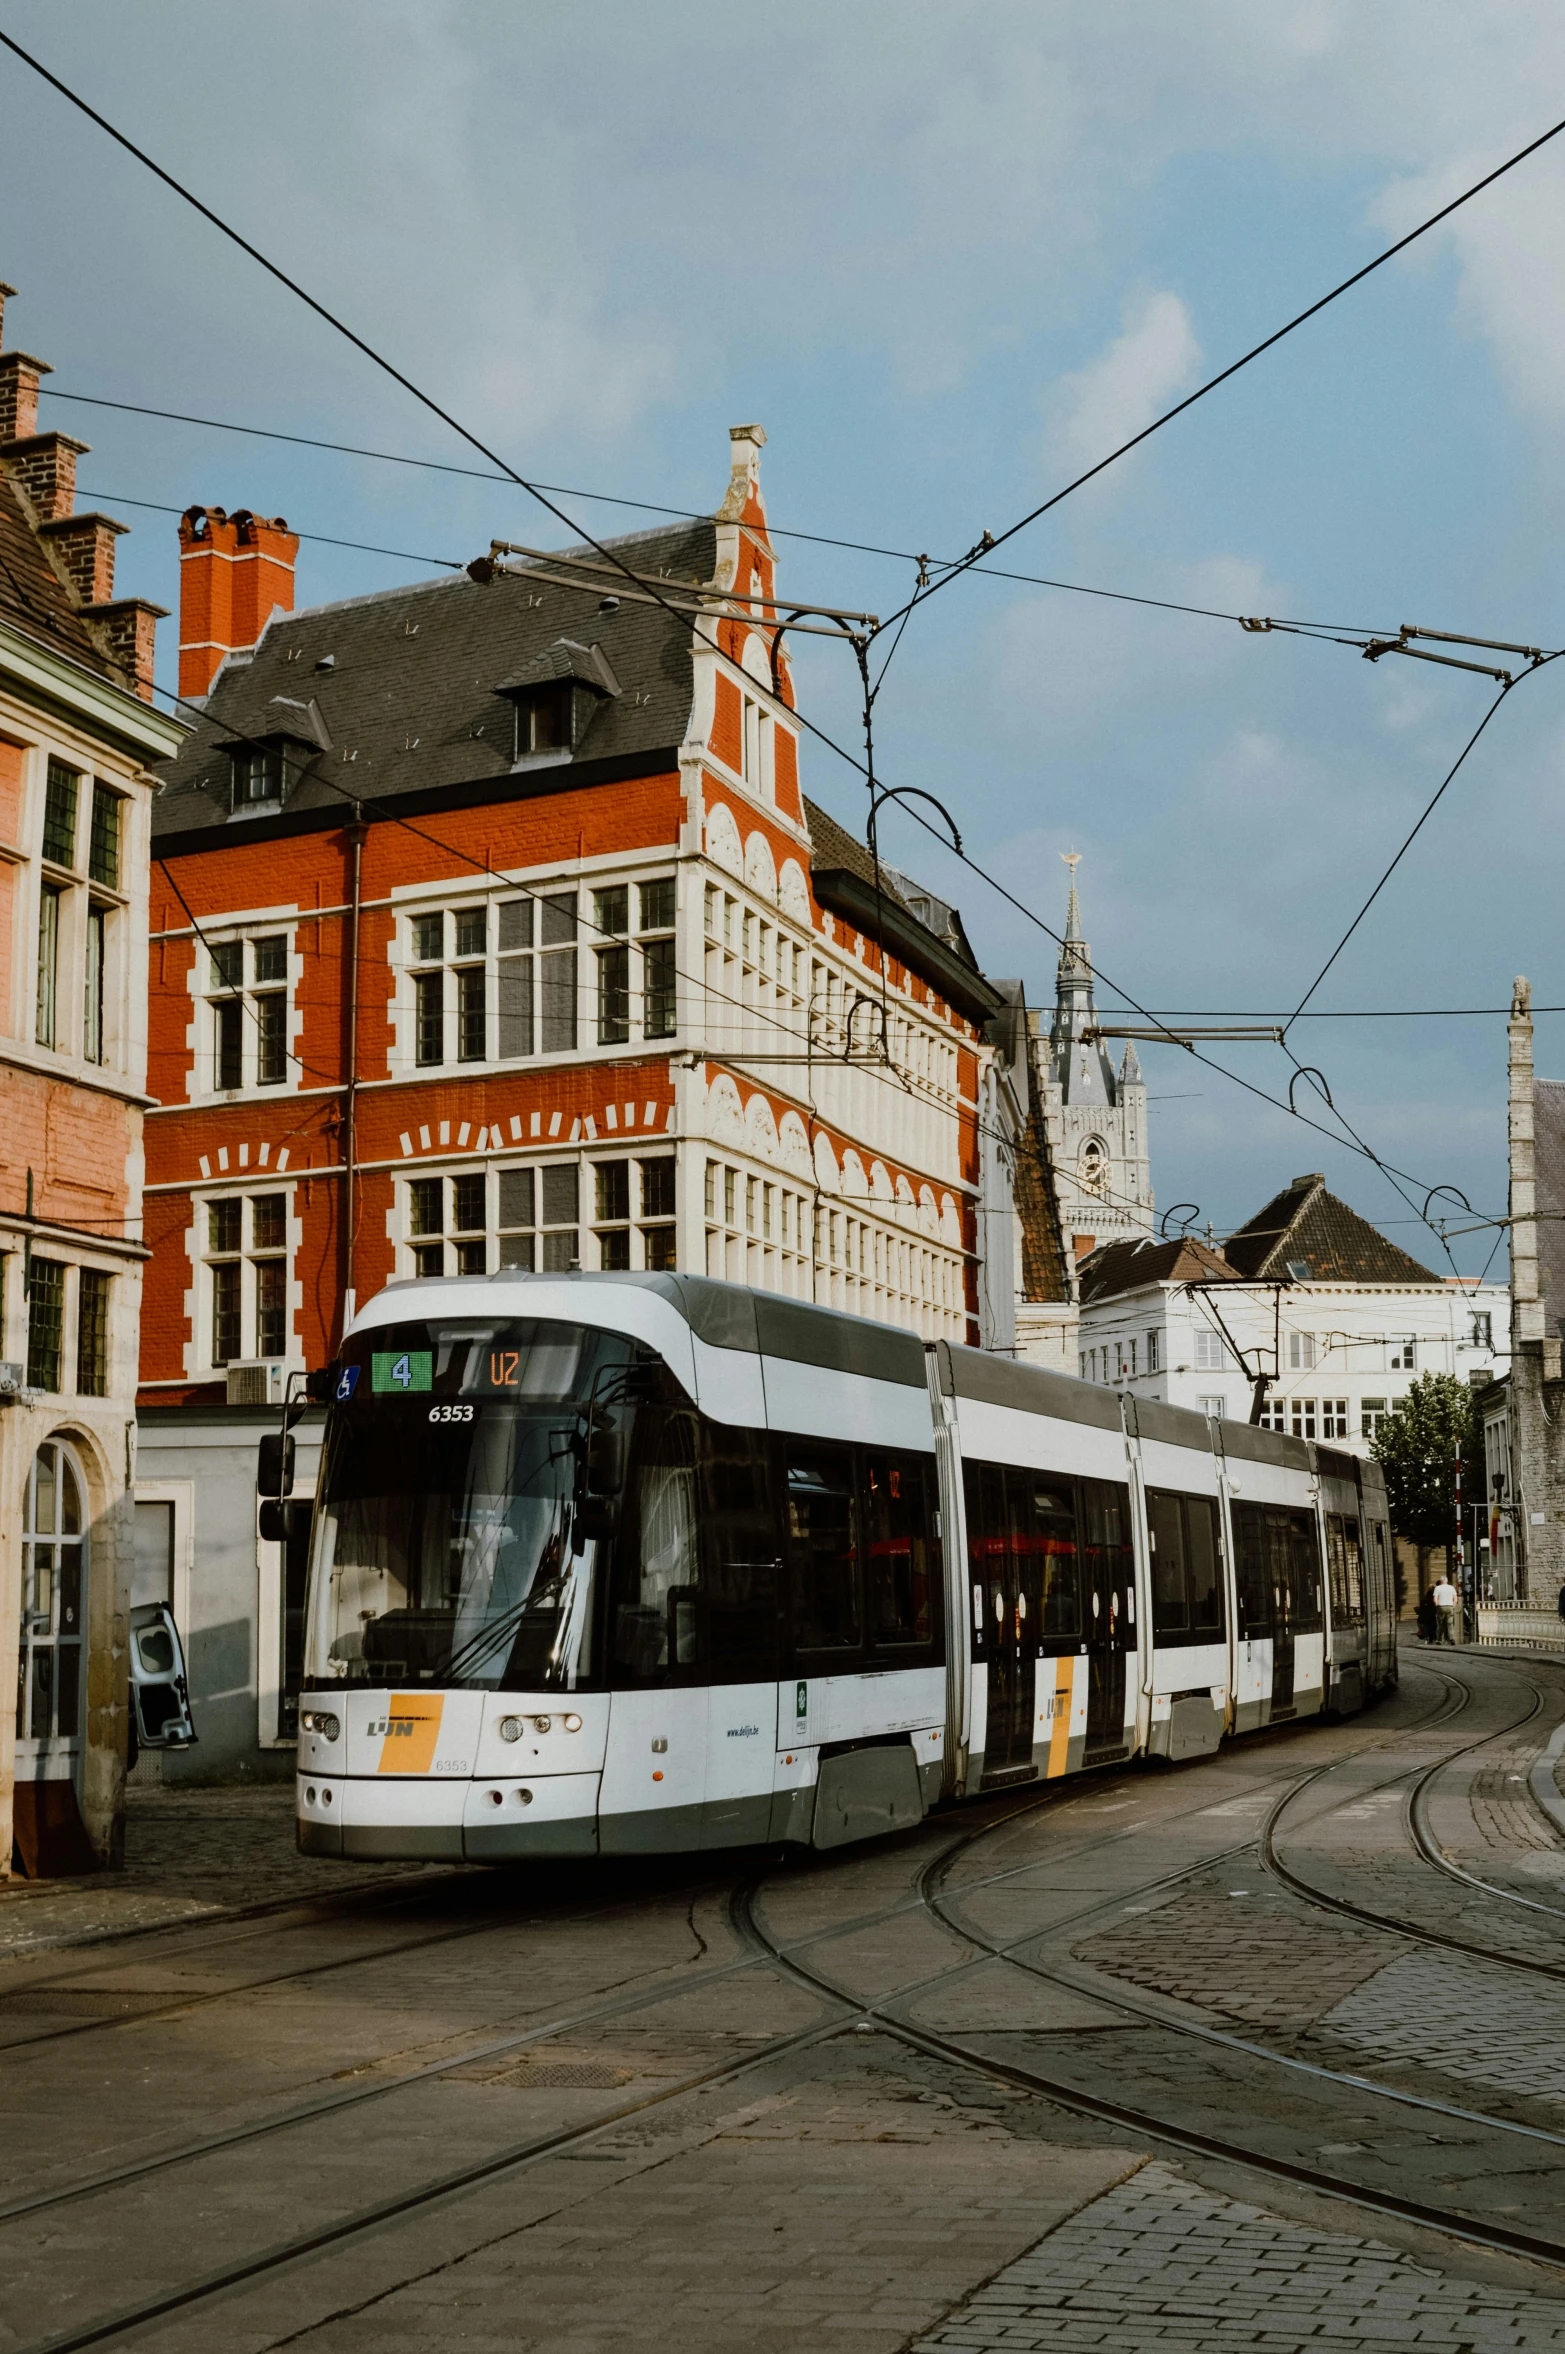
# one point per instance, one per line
(1280, 1548)
(1108, 1591)
(1006, 1577)
(1256, 1607)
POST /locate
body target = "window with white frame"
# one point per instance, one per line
(1302, 1418)
(633, 1211)
(516, 1215)
(1211, 1353)
(76, 1000)
(247, 1275)
(1334, 1418)
(1372, 1415)
(755, 758)
(1404, 1355)
(247, 1012)
(1217, 1406)
(1482, 1328)
(448, 1222)
(758, 1231)
(498, 981)
(1154, 1351)
(1273, 1414)
(1301, 1352)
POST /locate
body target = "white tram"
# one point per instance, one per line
(614, 1564)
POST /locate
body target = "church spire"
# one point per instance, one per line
(1081, 1065)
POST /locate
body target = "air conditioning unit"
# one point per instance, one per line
(13, 1379)
(257, 1381)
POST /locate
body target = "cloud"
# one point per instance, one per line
(1154, 356)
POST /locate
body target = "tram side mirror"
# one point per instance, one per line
(274, 1464)
(283, 1517)
(160, 1694)
(605, 1461)
(320, 1387)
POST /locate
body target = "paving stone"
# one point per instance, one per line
(1473, 2022)
(1264, 2282)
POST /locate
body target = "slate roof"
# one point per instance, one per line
(843, 874)
(33, 597)
(1549, 1131)
(410, 693)
(831, 845)
(1126, 1266)
(1306, 1228)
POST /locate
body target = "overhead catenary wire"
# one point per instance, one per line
(1292, 626)
(427, 401)
(990, 540)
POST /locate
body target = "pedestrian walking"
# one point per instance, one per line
(1445, 1611)
(1428, 1626)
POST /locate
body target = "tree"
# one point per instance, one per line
(1417, 1446)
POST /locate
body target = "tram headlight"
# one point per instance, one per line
(321, 1722)
(541, 1724)
(511, 1728)
(573, 1724)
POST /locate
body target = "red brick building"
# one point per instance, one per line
(78, 742)
(491, 927)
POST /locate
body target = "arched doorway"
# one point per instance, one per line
(51, 1664)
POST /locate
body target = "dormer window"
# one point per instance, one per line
(557, 696)
(543, 719)
(258, 776)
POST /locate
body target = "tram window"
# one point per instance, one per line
(657, 1563)
(983, 1486)
(1304, 1576)
(1252, 1571)
(823, 1557)
(902, 1554)
(1345, 1560)
(740, 1537)
(1170, 1603)
(1043, 1519)
(1186, 1576)
(1107, 1558)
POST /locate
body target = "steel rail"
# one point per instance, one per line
(1454, 2223)
(1324, 1900)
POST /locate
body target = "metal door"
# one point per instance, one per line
(1011, 1611)
(1109, 1623)
(1284, 1606)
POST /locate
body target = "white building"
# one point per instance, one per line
(1083, 1179)
(1340, 1321)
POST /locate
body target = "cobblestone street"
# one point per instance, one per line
(1235, 2055)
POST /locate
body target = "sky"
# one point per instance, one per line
(948, 255)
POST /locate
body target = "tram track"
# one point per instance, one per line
(258, 2265)
(850, 2011)
(279, 2255)
(1376, 1917)
(884, 2014)
(1055, 1797)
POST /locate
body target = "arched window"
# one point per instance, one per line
(1092, 1165)
(54, 1613)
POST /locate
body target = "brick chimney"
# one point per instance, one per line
(43, 468)
(235, 572)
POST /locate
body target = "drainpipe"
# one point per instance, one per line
(356, 833)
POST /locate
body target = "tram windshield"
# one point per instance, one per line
(452, 1540)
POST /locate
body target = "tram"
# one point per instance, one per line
(615, 1563)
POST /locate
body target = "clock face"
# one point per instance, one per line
(1093, 1165)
